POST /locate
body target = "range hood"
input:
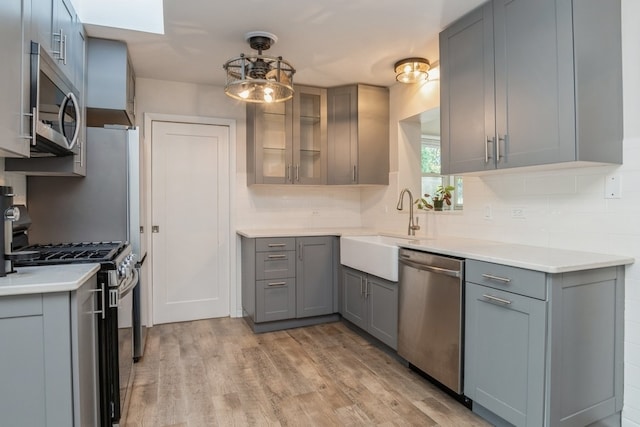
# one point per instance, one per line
(110, 84)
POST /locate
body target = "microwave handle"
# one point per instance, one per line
(70, 98)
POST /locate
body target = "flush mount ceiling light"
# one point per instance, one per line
(412, 70)
(259, 78)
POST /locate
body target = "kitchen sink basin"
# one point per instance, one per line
(377, 255)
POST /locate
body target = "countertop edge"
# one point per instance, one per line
(474, 249)
(71, 277)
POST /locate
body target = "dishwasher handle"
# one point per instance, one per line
(430, 268)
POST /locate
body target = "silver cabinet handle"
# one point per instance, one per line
(490, 140)
(102, 310)
(361, 288)
(276, 245)
(502, 139)
(34, 117)
(276, 256)
(354, 173)
(289, 173)
(276, 284)
(366, 288)
(300, 251)
(491, 298)
(498, 278)
(297, 173)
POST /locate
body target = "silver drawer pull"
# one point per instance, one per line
(277, 245)
(276, 256)
(274, 284)
(496, 299)
(498, 278)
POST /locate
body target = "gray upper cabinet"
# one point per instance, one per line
(14, 78)
(527, 334)
(358, 133)
(287, 141)
(63, 36)
(518, 87)
(110, 84)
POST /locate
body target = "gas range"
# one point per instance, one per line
(115, 258)
(106, 253)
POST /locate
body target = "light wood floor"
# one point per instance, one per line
(218, 373)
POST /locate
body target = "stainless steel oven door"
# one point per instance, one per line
(56, 117)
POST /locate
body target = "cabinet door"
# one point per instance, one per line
(85, 354)
(467, 93)
(270, 143)
(535, 117)
(342, 109)
(382, 302)
(41, 22)
(314, 276)
(505, 354)
(63, 36)
(353, 303)
(310, 135)
(22, 367)
(275, 300)
(14, 80)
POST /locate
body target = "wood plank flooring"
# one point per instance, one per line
(216, 372)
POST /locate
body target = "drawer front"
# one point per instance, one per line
(275, 300)
(511, 279)
(275, 265)
(20, 306)
(273, 244)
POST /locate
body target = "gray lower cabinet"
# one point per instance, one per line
(371, 303)
(543, 349)
(499, 111)
(49, 359)
(289, 281)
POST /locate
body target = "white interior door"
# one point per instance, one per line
(190, 220)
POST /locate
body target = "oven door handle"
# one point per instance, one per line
(124, 289)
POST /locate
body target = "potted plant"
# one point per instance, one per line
(438, 199)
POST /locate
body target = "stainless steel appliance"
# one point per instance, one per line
(55, 111)
(104, 205)
(116, 279)
(430, 326)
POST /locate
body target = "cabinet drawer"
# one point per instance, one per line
(20, 305)
(276, 244)
(275, 265)
(275, 300)
(511, 279)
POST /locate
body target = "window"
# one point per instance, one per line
(431, 177)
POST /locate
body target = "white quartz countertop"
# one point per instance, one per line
(548, 260)
(45, 279)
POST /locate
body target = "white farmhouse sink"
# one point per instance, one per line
(377, 255)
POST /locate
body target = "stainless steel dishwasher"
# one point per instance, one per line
(430, 315)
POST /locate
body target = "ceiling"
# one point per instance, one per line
(329, 42)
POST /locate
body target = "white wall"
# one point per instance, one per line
(564, 208)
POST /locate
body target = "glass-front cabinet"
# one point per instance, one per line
(287, 141)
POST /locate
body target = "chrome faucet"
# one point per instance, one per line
(413, 226)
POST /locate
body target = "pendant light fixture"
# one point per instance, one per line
(259, 78)
(412, 70)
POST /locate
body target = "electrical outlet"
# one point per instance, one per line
(315, 213)
(487, 212)
(518, 213)
(612, 187)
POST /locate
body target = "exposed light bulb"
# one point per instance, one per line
(244, 94)
(268, 94)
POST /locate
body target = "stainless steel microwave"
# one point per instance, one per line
(55, 111)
